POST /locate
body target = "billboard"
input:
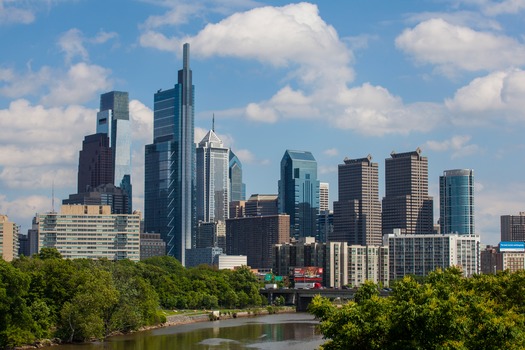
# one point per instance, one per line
(308, 274)
(512, 246)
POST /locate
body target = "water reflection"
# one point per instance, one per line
(276, 332)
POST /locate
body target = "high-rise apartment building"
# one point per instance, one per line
(90, 232)
(95, 163)
(513, 227)
(169, 189)
(213, 196)
(237, 187)
(9, 232)
(407, 205)
(261, 205)
(456, 202)
(299, 192)
(113, 120)
(357, 213)
(324, 197)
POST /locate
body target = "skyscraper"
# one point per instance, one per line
(513, 227)
(456, 202)
(299, 192)
(324, 202)
(237, 187)
(357, 213)
(169, 189)
(113, 120)
(407, 205)
(95, 163)
(212, 179)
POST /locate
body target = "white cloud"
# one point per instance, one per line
(454, 47)
(245, 156)
(36, 141)
(491, 98)
(494, 8)
(82, 83)
(142, 122)
(22, 208)
(15, 15)
(331, 152)
(327, 169)
(457, 144)
(72, 44)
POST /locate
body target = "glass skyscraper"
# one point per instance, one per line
(299, 192)
(113, 120)
(169, 188)
(212, 179)
(237, 187)
(456, 202)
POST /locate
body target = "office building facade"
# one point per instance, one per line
(213, 195)
(261, 205)
(151, 244)
(304, 252)
(513, 227)
(456, 202)
(324, 196)
(255, 237)
(95, 163)
(169, 189)
(299, 192)
(237, 187)
(90, 232)
(407, 205)
(357, 213)
(108, 194)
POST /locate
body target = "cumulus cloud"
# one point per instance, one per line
(142, 122)
(331, 152)
(458, 145)
(495, 8)
(490, 98)
(36, 141)
(454, 47)
(22, 208)
(72, 44)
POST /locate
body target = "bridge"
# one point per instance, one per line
(301, 298)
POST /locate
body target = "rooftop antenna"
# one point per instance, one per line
(213, 123)
(53, 197)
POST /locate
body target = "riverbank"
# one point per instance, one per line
(183, 319)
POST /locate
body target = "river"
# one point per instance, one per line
(291, 331)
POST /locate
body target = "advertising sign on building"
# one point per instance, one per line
(308, 274)
(512, 246)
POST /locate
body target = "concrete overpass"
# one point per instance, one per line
(301, 298)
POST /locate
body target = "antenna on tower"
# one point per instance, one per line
(213, 123)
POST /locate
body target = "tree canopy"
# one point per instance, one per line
(445, 311)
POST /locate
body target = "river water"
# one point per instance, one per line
(292, 331)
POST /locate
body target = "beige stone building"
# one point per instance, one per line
(8, 239)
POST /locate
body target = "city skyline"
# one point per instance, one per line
(311, 76)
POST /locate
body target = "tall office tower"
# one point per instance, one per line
(299, 192)
(95, 163)
(261, 205)
(169, 189)
(107, 194)
(213, 196)
(357, 213)
(456, 202)
(513, 227)
(9, 232)
(237, 187)
(407, 205)
(324, 202)
(113, 120)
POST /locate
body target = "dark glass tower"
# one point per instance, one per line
(299, 192)
(95, 163)
(169, 189)
(456, 202)
(237, 187)
(113, 120)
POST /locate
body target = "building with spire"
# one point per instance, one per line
(407, 205)
(169, 188)
(212, 167)
(299, 192)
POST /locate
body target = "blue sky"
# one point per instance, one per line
(337, 78)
